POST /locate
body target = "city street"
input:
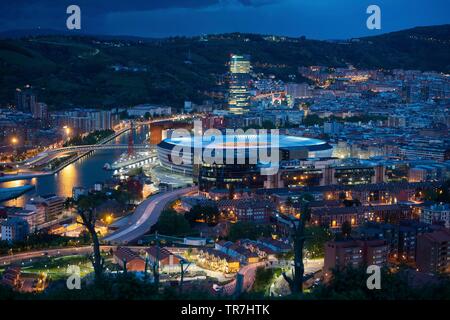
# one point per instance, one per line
(145, 216)
(19, 257)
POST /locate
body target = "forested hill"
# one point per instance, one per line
(79, 70)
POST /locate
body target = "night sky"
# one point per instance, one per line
(320, 19)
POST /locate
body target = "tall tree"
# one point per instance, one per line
(87, 212)
(298, 236)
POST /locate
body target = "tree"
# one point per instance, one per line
(208, 214)
(263, 279)
(316, 237)
(298, 235)
(312, 120)
(248, 230)
(87, 212)
(172, 223)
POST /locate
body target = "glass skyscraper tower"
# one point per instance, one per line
(239, 97)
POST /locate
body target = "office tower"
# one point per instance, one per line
(25, 100)
(239, 97)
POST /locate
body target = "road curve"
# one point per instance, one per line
(145, 216)
(248, 274)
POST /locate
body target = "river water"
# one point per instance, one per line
(82, 173)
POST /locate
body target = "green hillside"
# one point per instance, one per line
(78, 70)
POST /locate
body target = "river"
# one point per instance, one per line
(82, 173)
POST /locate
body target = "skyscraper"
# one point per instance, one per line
(239, 97)
(25, 99)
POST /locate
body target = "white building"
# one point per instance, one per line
(14, 229)
(34, 215)
(437, 213)
(153, 110)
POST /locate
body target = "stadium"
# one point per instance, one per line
(289, 148)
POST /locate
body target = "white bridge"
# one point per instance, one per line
(86, 148)
(89, 147)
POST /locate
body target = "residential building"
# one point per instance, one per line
(14, 229)
(33, 215)
(354, 253)
(11, 277)
(238, 251)
(433, 252)
(143, 110)
(167, 260)
(126, 257)
(255, 211)
(436, 214)
(216, 260)
(53, 205)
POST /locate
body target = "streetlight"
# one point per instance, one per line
(109, 219)
(14, 142)
(67, 130)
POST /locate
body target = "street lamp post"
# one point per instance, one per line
(14, 142)
(67, 131)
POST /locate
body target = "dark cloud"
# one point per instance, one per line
(17, 14)
(108, 6)
(313, 18)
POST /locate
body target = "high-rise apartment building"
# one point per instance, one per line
(25, 100)
(239, 96)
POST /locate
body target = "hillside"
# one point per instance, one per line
(78, 70)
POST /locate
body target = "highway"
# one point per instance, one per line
(18, 257)
(145, 216)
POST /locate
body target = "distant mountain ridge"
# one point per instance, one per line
(78, 69)
(24, 33)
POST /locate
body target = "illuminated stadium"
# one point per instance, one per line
(289, 148)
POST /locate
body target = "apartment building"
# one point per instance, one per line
(433, 252)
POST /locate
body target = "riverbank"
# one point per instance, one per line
(29, 175)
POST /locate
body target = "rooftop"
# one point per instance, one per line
(249, 141)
